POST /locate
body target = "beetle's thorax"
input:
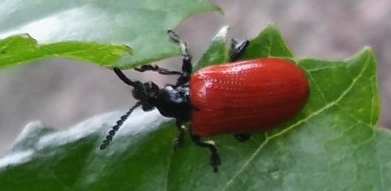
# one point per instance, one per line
(174, 101)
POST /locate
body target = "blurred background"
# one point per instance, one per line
(62, 93)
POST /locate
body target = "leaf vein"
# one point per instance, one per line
(320, 110)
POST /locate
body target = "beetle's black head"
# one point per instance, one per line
(146, 93)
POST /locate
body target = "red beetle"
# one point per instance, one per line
(240, 97)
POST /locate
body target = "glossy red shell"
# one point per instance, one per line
(246, 96)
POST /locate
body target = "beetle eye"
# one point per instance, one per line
(150, 89)
(150, 86)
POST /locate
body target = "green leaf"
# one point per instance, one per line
(22, 48)
(97, 27)
(268, 43)
(332, 144)
(217, 52)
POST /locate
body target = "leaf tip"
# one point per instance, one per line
(221, 34)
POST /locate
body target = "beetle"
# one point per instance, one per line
(240, 97)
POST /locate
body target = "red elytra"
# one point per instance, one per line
(246, 96)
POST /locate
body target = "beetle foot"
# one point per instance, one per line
(237, 49)
(242, 137)
(177, 143)
(215, 161)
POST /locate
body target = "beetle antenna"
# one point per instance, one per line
(115, 128)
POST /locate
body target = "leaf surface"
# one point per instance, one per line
(97, 27)
(332, 144)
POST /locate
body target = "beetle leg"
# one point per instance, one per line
(178, 141)
(214, 156)
(242, 137)
(126, 80)
(186, 58)
(155, 68)
(237, 49)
